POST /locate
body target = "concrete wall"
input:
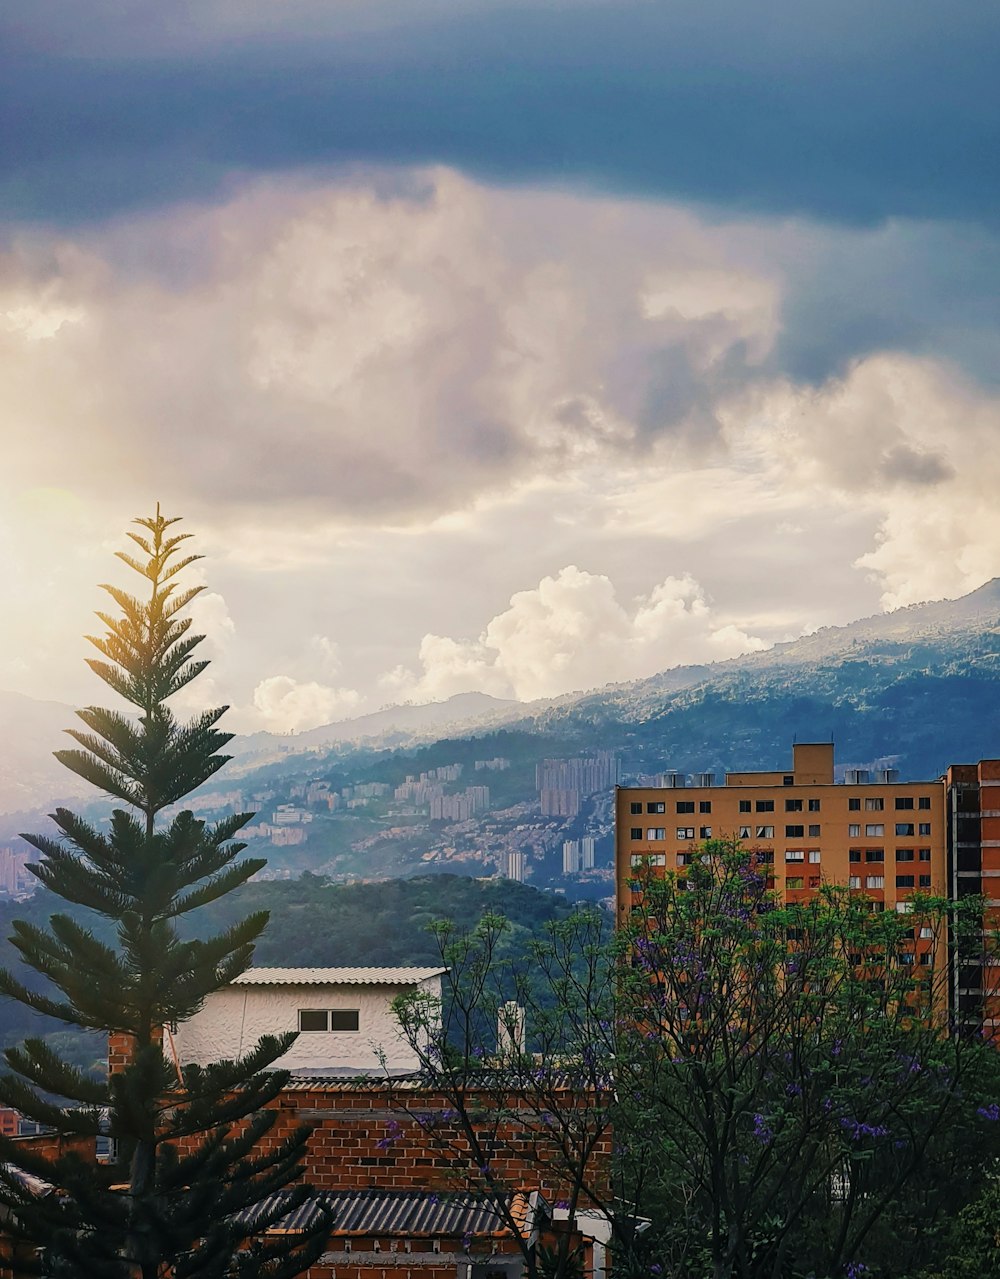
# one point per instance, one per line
(233, 1019)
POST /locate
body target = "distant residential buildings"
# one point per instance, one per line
(460, 808)
(587, 852)
(563, 783)
(497, 765)
(570, 856)
(514, 865)
(15, 880)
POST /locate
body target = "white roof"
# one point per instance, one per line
(336, 976)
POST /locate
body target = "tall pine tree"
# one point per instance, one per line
(191, 1189)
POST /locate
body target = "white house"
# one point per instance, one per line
(343, 1015)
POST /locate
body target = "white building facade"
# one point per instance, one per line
(343, 1017)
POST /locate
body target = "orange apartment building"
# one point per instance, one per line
(884, 838)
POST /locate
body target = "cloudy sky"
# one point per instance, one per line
(491, 346)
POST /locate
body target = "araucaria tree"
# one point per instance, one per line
(190, 1189)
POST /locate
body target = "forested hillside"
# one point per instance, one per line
(316, 924)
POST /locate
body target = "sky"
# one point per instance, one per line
(511, 347)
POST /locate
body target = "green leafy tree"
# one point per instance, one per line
(798, 1101)
(190, 1190)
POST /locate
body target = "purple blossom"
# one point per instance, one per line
(793, 1090)
(991, 1112)
(855, 1269)
(761, 1131)
(856, 1130)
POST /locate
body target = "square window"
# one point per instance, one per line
(874, 828)
(312, 1019)
(904, 854)
(788, 779)
(765, 832)
(904, 828)
(794, 832)
(924, 855)
(684, 832)
(874, 881)
(925, 881)
(904, 881)
(904, 802)
(814, 832)
(814, 855)
(705, 832)
(854, 855)
(764, 806)
(795, 881)
(636, 832)
(924, 801)
(795, 855)
(814, 806)
(793, 805)
(658, 832)
(744, 806)
(927, 957)
(854, 830)
(874, 854)
(704, 806)
(924, 828)
(874, 804)
(343, 1019)
(854, 805)
(658, 807)
(854, 881)
(685, 805)
(634, 808)
(746, 832)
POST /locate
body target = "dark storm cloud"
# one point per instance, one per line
(844, 111)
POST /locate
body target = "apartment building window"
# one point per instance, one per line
(764, 806)
(795, 855)
(814, 806)
(685, 832)
(814, 832)
(854, 855)
(854, 881)
(794, 832)
(814, 855)
(795, 881)
(765, 855)
(905, 908)
(814, 881)
(854, 804)
(685, 859)
(635, 808)
(636, 832)
(853, 831)
(649, 859)
(657, 807)
(904, 828)
(874, 854)
(926, 933)
(904, 854)
(685, 805)
(788, 779)
(765, 832)
(793, 805)
(704, 832)
(927, 957)
(327, 1019)
(904, 881)
(924, 881)
(924, 828)
(659, 832)
(924, 801)
(746, 832)
(906, 957)
(924, 855)
(904, 802)
(744, 806)
(704, 806)
(874, 881)
(874, 804)
(874, 828)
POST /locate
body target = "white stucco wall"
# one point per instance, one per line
(233, 1019)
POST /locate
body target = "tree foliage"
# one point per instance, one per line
(184, 1193)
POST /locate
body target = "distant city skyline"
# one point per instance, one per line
(494, 348)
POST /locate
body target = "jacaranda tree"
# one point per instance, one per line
(189, 1190)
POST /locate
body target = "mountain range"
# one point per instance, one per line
(916, 688)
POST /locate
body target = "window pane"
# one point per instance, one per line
(312, 1019)
(343, 1019)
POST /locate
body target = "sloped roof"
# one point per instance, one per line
(404, 1212)
(336, 976)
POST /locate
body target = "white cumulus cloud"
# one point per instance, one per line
(285, 705)
(571, 632)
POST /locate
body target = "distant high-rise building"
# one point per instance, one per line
(571, 856)
(514, 868)
(563, 783)
(587, 852)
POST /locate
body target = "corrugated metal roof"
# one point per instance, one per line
(401, 1212)
(336, 976)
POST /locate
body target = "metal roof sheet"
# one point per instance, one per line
(336, 976)
(402, 1212)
